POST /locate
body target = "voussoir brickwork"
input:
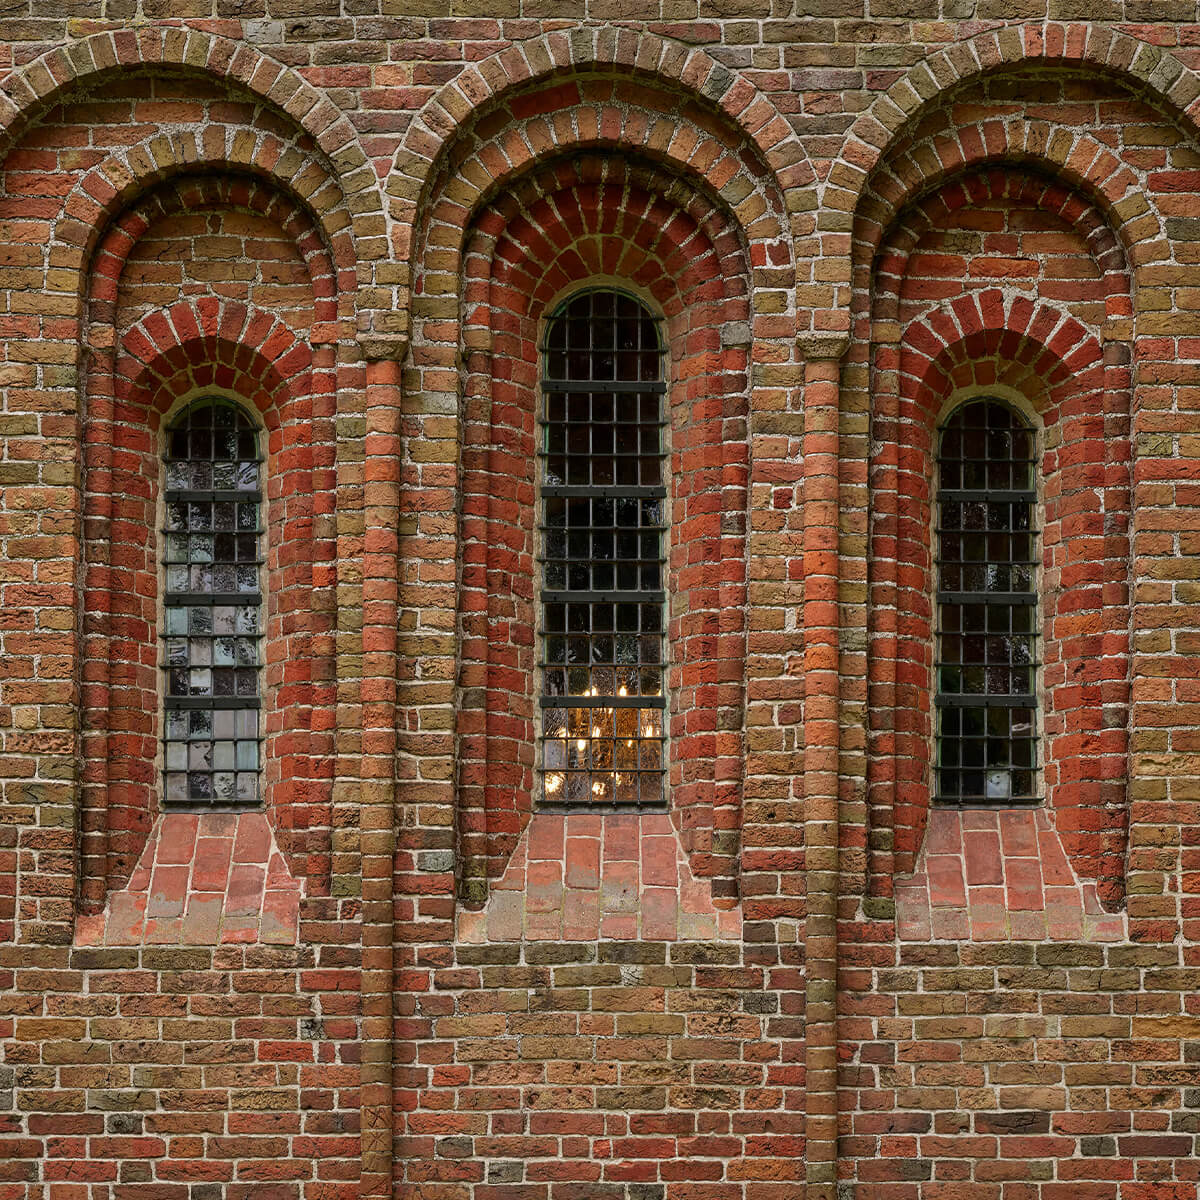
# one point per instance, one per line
(403, 975)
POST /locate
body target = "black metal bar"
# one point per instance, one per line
(630, 597)
(257, 532)
(601, 491)
(202, 496)
(985, 700)
(604, 806)
(1009, 598)
(1007, 562)
(973, 801)
(215, 703)
(169, 458)
(602, 701)
(210, 599)
(990, 496)
(998, 493)
(585, 386)
(201, 806)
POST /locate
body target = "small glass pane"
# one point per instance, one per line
(987, 644)
(602, 431)
(211, 651)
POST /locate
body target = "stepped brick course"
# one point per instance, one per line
(403, 978)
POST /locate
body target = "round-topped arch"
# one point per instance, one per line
(667, 102)
(1148, 69)
(603, 220)
(893, 295)
(29, 92)
(939, 151)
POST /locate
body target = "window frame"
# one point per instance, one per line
(188, 600)
(1034, 699)
(549, 385)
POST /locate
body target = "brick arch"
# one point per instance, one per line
(603, 218)
(211, 342)
(983, 341)
(552, 57)
(29, 90)
(181, 193)
(120, 186)
(599, 114)
(184, 350)
(1085, 167)
(1084, 45)
(601, 89)
(999, 182)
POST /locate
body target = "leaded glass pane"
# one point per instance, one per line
(602, 526)
(212, 616)
(987, 606)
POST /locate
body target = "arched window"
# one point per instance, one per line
(987, 608)
(213, 607)
(603, 512)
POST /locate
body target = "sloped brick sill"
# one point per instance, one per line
(584, 876)
(204, 879)
(998, 875)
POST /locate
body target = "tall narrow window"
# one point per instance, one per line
(987, 608)
(213, 608)
(602, 524)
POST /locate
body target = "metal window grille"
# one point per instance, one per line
(987, 608)
(212, 616)
(602, 522)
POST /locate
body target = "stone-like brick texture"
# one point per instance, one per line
(399, 978)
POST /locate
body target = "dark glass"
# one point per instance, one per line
(603, 554)
(987, 628)
(211, 653)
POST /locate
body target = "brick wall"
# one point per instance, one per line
(400, 976)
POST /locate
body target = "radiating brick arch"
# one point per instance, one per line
(346, 199)
(1082, 45)
(999, 182)
(1048, 351)
(181, 193)
(992, 342)
(915, 168)
(211, 342)
(594, 115)
(118, 187)
(604, 218)
(600, 88)
(553, 57)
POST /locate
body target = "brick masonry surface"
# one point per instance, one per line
(401, 977)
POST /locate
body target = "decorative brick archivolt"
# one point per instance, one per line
(257, 170)
(185, 350)
(136, 373)
(332, 175)
(195, 193)
(891, 291)
(1107, 199)
(667, 101)
(1104, 183)
(705, 167)
(1093, 47)
(597, 113)
(1013, 346)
